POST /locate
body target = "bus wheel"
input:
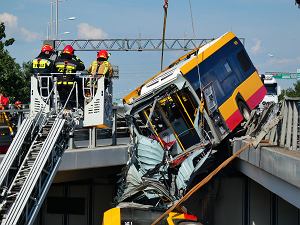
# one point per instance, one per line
(244, 110)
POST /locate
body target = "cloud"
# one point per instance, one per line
(86, 31)
(282, 64)
(28, 35)
(9, 20)
(256, 48)
(284, 61)
(11, 23)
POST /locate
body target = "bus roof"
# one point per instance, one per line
(203, 53)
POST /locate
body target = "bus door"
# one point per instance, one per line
(178, 111)
(159, 119)
(172, 118)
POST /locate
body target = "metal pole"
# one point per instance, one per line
(20, 119)
(56, 22)
(71, 140)
(47, 32)
(55, 96)
(92, 137)
(114, 127)
(51, 19)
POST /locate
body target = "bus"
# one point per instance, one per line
(273, 90)
(178, 116)
(220, 74)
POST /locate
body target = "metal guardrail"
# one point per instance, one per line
(289, 133)
(286, 132)
(15, 110)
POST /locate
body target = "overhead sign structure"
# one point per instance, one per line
(284, 75)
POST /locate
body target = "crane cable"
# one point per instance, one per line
(201, 105)
(166, 4)
(203, 182)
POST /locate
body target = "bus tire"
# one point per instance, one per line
(246, 113)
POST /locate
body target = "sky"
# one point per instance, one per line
(270, 28)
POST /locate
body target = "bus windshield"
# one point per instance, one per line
(271, 89)
(172, 119)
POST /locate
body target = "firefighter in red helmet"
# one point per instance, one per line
(66, 65)
(3, 101)
(43, 63)
(68, 62)
(101, 66)
(18, 105)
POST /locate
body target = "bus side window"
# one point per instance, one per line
(222, 70)
(244, 60)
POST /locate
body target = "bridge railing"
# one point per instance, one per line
(289, 129)
(286, 132)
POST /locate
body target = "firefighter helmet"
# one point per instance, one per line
(47, 47)
(68, 50)
(102, 54)
(18, 104)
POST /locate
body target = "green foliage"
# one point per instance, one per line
(14, 79)
(291, 92)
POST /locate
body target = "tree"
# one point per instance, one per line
(14, 80)
(291, 92)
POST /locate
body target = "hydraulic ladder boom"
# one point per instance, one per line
(29, 167)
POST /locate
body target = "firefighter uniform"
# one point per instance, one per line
(42, 64)
(3, 101)
(101, 67)
(66, 65)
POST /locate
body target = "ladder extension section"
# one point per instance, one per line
(24, 196)
(9, 164)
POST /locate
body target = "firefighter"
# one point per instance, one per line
(101, 67)
(43, 63)
(66, 65)
(18, 105)
(3, 101)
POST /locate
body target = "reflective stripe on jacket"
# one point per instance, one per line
(42, 65)
(66, 66)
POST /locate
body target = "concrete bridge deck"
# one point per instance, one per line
(275, 168)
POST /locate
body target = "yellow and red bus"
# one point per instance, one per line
(180, 114)
(221, 73)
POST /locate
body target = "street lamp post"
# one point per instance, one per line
(51, 30)
(56, 27)
(49, 27)
(51, 20)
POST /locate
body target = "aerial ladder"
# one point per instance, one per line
(33, 158)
